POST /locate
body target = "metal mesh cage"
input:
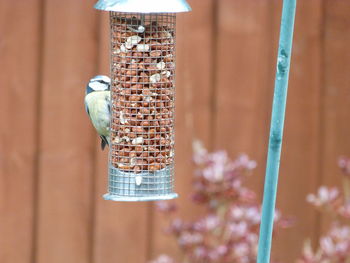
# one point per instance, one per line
(141, 158)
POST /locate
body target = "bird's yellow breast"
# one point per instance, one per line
(97, 103)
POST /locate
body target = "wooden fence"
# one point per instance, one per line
(52, 172)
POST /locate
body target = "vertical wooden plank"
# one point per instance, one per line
(195, 70)
(66, 159)
(300, 173)
(121, 232)
(19, 63)
(336, 92)
(244, 80)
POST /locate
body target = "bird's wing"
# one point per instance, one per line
(108, 101)
(87, 108)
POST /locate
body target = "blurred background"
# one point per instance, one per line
(53, 173)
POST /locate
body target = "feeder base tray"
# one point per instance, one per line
(119, 198)
(146, 186)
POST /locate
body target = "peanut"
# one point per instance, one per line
(143, 69)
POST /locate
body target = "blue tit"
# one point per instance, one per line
(97, 106)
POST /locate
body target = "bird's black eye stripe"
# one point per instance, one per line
(103, 82)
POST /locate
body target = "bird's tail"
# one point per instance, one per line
(104, 142)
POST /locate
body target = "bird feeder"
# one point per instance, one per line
(141, 153)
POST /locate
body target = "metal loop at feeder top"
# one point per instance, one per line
(144, 6)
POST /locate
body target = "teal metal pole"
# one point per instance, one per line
(276, 130)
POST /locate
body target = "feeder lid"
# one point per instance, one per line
(144, 6)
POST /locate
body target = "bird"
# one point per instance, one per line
(97, 105)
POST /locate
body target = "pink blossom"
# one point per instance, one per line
(344, 210)
(218, 253)
(200, 153)
(221, 250)
(216, 168)
(246, 195)
(163, 259)
(176, 226)
(342, 248)
(189, 239)
(340, 233)
(253, 215)
(327, 245)
(200, 252)
(277, 215)
(165, 206)
(243, 161)
(208, 223)
(337, 243)
(308, 256)
(236, 184)
(250, 214)
(218, 177)
(324, 196)
(219, 158)
(237, 230)
(241, 250)
(252, 239)
(334, 247)
(344, 164)
(245, 259)
(237, 212)
(214, 174)
(228, 231)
